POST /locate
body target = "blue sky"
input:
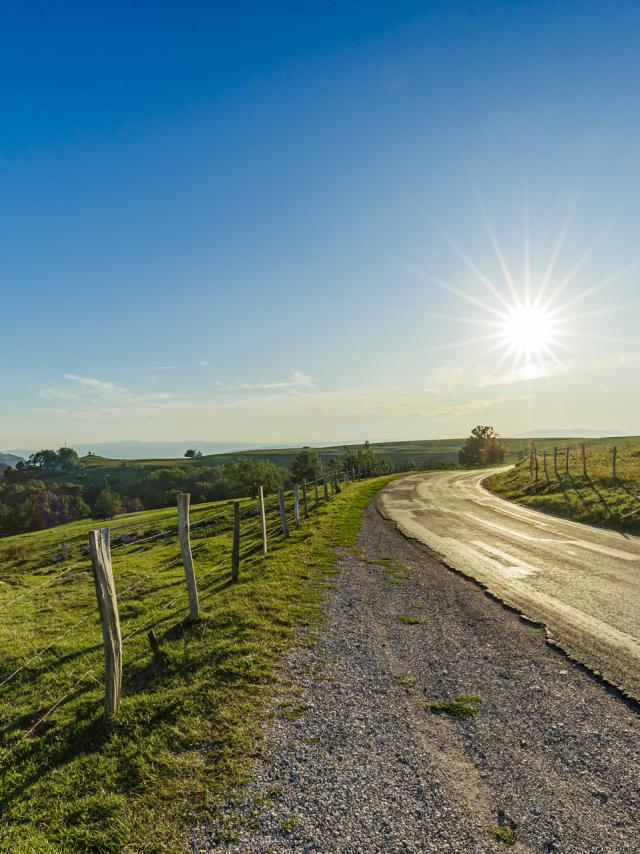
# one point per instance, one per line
(226, 221)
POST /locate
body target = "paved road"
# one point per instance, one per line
(583, 583)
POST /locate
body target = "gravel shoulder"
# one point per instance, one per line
(353, 759)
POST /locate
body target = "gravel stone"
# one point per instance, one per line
(354, 760)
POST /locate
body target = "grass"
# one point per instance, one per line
(189, 719)
(597, 499)
(503, 833)
(465, 706)
(408, 620)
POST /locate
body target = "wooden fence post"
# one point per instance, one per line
(555, 461)
(235, 551)
(187, 558)
(530, 459)
(109, 617)
(315, 484)
(283, 514)
(535, 457)
(544, 462)
(336, 481)
(614, 460)
(263, 519)
(584, 459)
(305, 503)
(296, 504)
(566, 460)
(326, 489)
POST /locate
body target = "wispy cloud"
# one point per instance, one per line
(546, 370)
(298, 379)
(95, 385)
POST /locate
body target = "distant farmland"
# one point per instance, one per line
(421, 453)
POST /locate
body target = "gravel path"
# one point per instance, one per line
(353, 759)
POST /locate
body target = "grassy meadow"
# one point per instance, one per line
(189, 717)
(597, 499)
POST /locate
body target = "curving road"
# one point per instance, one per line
(582, 583)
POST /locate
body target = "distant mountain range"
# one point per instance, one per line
(575, 433)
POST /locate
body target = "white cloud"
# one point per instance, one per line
(298, 380)
(95, 385)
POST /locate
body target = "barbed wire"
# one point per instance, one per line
(43, 718)
(47, 647)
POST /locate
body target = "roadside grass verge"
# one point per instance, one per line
(189, 718)
(597, 499)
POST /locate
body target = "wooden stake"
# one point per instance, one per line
(326, 489)
(283, 514)
(566, 460)
(555, 461)
(315, 483)
(296, 504)
(187, 558)
(109, 617)
(537, 466)
(263, 519)
(305, 503)
(584, 459)
(235, 552)
(614, 461)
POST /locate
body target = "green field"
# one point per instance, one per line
(421, 454)
(596, 499)
(189, 718)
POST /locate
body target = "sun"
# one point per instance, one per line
(527, 331)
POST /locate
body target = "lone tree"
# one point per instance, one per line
(306, 465)
(192, 452)
(107, 504)
(482, 448)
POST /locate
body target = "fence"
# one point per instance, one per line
(607, 467)
(254, 525)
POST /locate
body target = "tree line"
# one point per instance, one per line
(47, 489)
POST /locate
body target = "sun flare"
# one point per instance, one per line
(527, 331)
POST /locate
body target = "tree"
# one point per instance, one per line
(306, 465)
(245, 476)
(107, 504)
(482, 448)
(192, 452)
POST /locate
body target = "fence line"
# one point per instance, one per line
(274, 507)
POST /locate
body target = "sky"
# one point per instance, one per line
(317, 222)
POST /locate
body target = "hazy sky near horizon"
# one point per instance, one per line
(274, 222)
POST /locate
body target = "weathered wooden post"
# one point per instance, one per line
(566, 460)
(337, 488)
(614, 461)
(584, 459)
(315, 484)
(109, 617)
(544, 463)
(235, 550)
(283, 514)
(305, 502)
(185, 551)
(530, 458)
(296, 504)
(555, 461)
(326, 489)
(537, 465)
(263, 519)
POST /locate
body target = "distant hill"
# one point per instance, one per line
(574, 433)
(8, 460)
(131, 450)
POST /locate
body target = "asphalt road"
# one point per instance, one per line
(582, 583)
